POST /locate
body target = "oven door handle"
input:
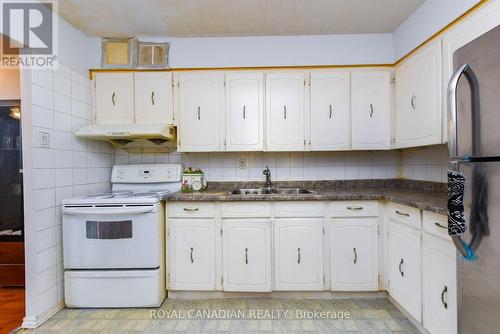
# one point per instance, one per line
(104, 211)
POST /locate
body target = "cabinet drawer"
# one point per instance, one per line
(194, 209)
(298, 209)
(406, 215)
(435, 224)
(355, 209)
(246, 209)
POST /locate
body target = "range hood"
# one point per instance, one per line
(127, 136)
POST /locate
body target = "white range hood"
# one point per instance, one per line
(127, 136)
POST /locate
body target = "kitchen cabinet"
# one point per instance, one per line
(354, 254)
(298, 254)
(153, 97)
(285, 111)
(371, 110)
(439, 268)
(404, 270)
(246, 254)
(244, 94)
(191, 254)
(330, 111)
(200, 107)
(418, 114)
(114, 98)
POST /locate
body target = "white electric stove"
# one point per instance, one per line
(113, 243)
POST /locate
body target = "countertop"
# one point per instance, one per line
(422, 195)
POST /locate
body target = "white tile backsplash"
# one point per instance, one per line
(425, 163)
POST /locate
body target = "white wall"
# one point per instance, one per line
(279, 50)
(429, 18)
(9, 84)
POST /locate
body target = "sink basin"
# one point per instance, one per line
(273, 191)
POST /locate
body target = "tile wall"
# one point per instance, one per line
(425, 163)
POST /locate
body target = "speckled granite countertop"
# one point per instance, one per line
(427, 196)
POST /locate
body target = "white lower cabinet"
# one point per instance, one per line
(298, 254)
(354, 254)
(246, 254)
(439, 285)
(405, 280)
(191, 255)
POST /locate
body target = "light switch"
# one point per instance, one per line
(44, 139)
(243, 163)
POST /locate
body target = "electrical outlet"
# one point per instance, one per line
(243, 163)
(44, 139)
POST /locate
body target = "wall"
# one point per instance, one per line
(9, 84)
(284, 165)
(56, 103)
(425, 163)
(430, 17)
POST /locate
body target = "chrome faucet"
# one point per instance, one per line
(267, 173)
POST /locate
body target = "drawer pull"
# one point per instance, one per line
(246, 255)
(400, 270)
(441, 226)
(298, 255)
(402, 213)
(355, 208)
(191, 255)
(443, 299)
(355, 256)
(191, 209)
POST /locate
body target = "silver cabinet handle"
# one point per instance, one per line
(355, 208)
(413, 101)
(441, 226)
(402, 213)
(298, 255)
(246, 255)
(244, 112)
(191, 255)
(400, 270)
(153, 97)
(284, 112)
(191, 209)
(199, 113)
(443, 299)
(371, 110)
(113, 98)
(355, 256)
(331, 111)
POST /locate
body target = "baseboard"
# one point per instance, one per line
(275, 294)
(35, 321)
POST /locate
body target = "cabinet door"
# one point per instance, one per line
(439, 273)
(298, 254)
(330, 111)
(354, 254)
(418, 113)
(405, 283)
(244, 112)
(191, 245)
(285, 111)
(200, 110)
(153, 97)
(114, 98)
(371, 110)
(246, 253)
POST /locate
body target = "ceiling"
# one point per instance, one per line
(192, 18)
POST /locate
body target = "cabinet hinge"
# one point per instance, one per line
(378, 232)
(392, 81)
(305, 82)
(324, 231)
(224, 84)
(379, 279)
(168, 232)
(168, 278)
(224, 142)
(222, 280)
(324, 279)
(178, 84)
(220, 231)
(173, 84)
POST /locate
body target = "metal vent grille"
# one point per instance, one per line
(153, 55)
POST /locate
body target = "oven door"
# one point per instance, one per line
(112, 237)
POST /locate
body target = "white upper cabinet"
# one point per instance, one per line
(200, 111)
(298, 254)
(244, 111)
(371, 110)
(114, 98)
(285, 111)
(354, 254)
(153, 97)
(418, 115)
(330, 111)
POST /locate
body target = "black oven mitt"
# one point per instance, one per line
(456, 214)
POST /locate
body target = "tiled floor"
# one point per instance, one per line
(249, 316)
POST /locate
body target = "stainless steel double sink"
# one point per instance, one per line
(271, 191)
